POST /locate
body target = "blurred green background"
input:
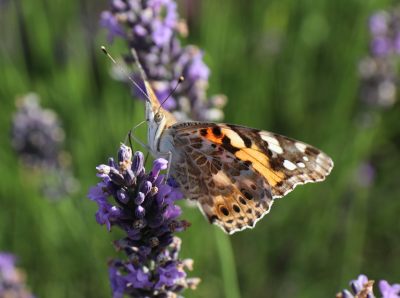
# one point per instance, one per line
(286, 66)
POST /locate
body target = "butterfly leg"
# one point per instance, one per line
(136, 139)
(169, 154)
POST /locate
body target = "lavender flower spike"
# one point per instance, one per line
(12, 280)
(152, 28)
(143, 206)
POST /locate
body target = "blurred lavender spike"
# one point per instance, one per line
(379, 71)
(38, 139)
(152, 27)
(12, 280)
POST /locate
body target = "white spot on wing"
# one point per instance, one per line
(301, 165)
(289, 165)
(273, 144)
(302, 147)
(305, 158)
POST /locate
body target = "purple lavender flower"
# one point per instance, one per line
(143, 206)
(152, 27)
(389, 291)
(12, 280)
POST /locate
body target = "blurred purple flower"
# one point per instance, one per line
(12, 280)
(152, 27)
(143, 206)
(360, 288)
(361, 284)
(365, 174)
(38, 137)
(363, 288)
(389, 291)
(384, 29)
(378, 23)
(379, 71)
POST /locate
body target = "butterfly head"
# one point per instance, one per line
(158, 119)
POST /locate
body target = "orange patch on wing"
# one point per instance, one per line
(211, 136)
(260, 163)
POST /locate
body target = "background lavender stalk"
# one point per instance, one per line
(12, 280)
(152, 27)
(363, 288)
(38, 138)
(379, 70)
(143, 206)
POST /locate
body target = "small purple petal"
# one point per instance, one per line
(138, 162)
(358, 284)
(378, 23)
(122, 196)
(108, 21)
(381, 46)
(124, 153)
(140, 212)
(146, 187)
(139, 198)
(389, 291)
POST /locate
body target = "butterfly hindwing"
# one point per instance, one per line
(228, 191)
(234, 172)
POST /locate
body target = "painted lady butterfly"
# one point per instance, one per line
(233, 172)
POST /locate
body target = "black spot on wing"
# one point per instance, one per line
(216, 130)
(226, 144)
(311, 151)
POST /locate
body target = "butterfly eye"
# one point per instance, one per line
(158, 117)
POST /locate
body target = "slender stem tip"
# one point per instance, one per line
(103, 48)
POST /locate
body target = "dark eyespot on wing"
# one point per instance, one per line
(216, 130)
(224, 210)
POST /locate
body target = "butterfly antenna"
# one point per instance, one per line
(103, 48)
(180, 80)
(139, 65)
(130, 138)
